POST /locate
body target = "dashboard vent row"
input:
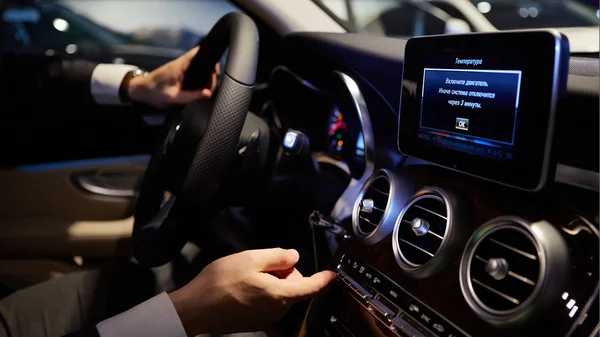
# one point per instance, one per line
(505, 268)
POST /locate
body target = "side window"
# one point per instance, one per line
(164, 23)
(15, 25)
(56, 30)
(46, 26)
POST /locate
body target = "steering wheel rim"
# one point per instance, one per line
(193, 160)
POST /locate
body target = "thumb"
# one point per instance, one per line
(267, 260)
(299, 289)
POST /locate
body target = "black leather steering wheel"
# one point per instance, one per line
(196, 155)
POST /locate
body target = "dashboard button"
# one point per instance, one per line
(382, 309)
(398, 324)
(415, 325)
(438, 327)
(359, 290)
(342, 276)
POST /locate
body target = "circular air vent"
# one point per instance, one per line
(377, 205)
(504, 269)
(427, 235)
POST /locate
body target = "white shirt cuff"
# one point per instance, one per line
(154, 318)
(106, 80)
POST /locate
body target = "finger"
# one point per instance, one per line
(282, 274)
(295, 274)
(213, 82)
(268, 260)
(218, 68)
(306, 287)
(290, 273)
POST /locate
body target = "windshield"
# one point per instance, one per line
(424, 17)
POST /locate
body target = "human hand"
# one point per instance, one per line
(248, 291)
(162, 87)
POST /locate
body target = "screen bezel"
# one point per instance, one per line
(538, 54)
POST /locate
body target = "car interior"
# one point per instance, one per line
(451, 181)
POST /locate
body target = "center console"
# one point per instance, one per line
(473, 245)
(488, 261)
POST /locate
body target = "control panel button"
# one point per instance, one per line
(438, 327)
(415, 325)
(398, 324)
(424, 316)
(382, 309)
(359, 290)
(391, 303)
(375, 280)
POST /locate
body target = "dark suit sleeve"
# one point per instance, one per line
(39, 81)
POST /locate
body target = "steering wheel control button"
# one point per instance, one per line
(420, 226)
(295, 142)
(367, 206)
(497, 268)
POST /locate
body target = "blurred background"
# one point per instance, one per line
(149, 32)
(145, 33)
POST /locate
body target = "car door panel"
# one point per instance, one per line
(47, 212)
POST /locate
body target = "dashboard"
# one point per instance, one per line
(457, 225)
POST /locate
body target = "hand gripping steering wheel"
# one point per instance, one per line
(197, 152)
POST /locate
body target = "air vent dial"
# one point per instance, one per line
(505, 267)
(378, 204)
(429, 231)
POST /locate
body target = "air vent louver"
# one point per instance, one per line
(378, 204)
(429, 231)
(373, 205)
(505, 269)
(422, 229)
(506, 264)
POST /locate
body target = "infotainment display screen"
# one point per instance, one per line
(483, 104)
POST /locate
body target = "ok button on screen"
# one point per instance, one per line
(476, 104)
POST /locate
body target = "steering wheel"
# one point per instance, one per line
(186, 172)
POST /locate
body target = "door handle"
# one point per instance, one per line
(110, 184)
